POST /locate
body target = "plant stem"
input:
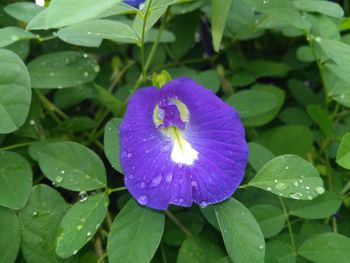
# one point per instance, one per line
(143, 33)
(290, 230)
(118, 189)
(15, 146)
(177, 222)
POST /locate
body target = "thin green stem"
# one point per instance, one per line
(112, 190)
(156, 43)
(50, 106)
(325, 139)
(143, 34)
(244, 186)
(290, 230)
(163, 253)
(177, 222)
(15, 146)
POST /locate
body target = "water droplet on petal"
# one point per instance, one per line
(203, 204)
(143, 185)
(143, 199)
(156, 180)
(169, 178)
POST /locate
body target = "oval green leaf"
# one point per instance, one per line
(23, 11)
(256, 107)
(39, 220)
(135, 234)
(270, 218)
(10, 235)
(62, 69)
(322, 206)
(15, 180)
(289, 176)
(80, 224)
(72, 166)
(258, 155)
(199, 249)
(242, 235)
(326, 247)
(15, 92)
(111, 143)
(91, 33)
(66, 12)
(343, 153)
(11, 34)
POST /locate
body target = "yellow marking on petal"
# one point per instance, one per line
(184, 114)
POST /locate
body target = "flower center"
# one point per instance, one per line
(171, 116)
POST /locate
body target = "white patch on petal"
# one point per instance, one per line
(183, 151)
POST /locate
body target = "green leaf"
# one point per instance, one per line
(220, 11)
(343, 153)
(15, 180)
(15, 92)
(65, 12)
(66, 98)
(35, 147)
(23, 11)
(9, 236)
(111, 143)
(243, 238)
(199, 249)
(323, 7)
(321, 207)
(72, 166)
(11, 34)
(278, 140)
(321, 117)
(80, 224)
(256, 107)
(91, 33)
(302, 93)
(75, 124)
(184, 38)
(193, 222)
(266, 68)
(62, 69)
(209, 79)
(135, 234)
(39, 220)
(270, 218)
(326, 247)
(335, 50)
(280, 252)
(289, 176)
(258, 155)
(209, 214)
(295, 115)
(109, 100)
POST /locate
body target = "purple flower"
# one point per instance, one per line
(134, 3)
(181, 144)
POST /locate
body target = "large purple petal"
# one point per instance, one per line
(154, 177)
